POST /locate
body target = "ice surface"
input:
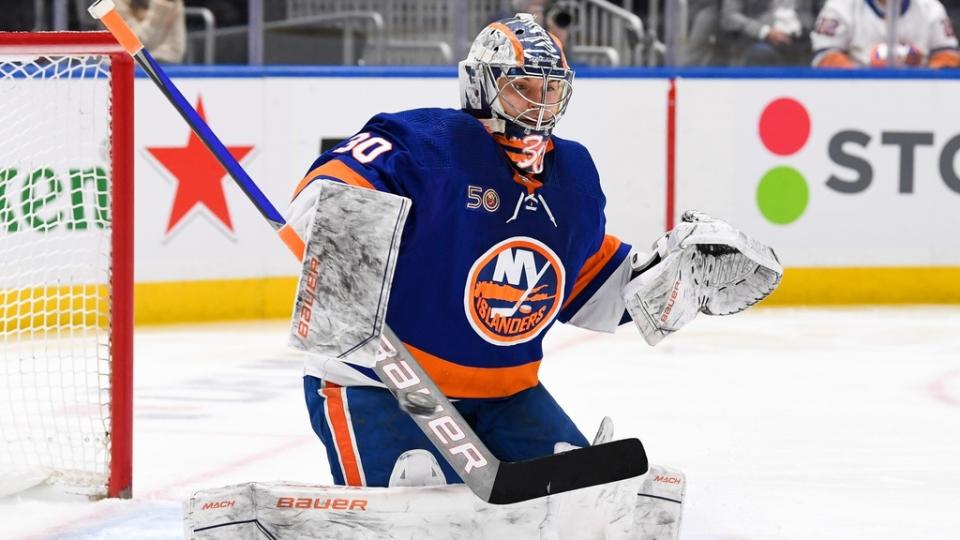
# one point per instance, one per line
(792, 424)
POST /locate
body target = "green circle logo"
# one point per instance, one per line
(782, 195)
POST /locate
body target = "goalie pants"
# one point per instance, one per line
(364, 430)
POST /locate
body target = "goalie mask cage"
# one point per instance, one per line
(66, 262)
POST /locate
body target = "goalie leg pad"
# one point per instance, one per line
(347, 271)
(644, 508)
(660, 503)
(292, 510)
(417, 468)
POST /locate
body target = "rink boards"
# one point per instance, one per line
(853, 180)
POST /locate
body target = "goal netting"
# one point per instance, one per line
(65, 262)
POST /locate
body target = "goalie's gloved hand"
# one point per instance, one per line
(702, 265)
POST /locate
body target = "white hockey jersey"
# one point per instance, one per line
(858, 27)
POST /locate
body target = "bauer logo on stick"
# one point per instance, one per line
(513, 291)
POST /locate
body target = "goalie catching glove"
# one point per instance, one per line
(702, 265)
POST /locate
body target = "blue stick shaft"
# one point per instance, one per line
(210, 139)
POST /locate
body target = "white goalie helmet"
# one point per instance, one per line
(516, 73)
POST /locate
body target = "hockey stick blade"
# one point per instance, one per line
(584, 467)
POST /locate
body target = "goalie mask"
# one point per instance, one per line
(517, 76)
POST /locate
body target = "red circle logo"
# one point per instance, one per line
(513, 291)
(784, 126)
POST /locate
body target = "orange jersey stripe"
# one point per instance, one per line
(474, 382)
(593, 265)
(335, 169)
(336, 412)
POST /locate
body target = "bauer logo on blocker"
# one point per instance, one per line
(513, 291)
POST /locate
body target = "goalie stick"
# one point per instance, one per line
(492, 480)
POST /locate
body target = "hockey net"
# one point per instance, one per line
(65, 262)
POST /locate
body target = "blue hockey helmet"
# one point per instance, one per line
(516, 74)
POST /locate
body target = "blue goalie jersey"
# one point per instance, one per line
(489, 259)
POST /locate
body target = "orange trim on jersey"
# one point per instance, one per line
(516, 144)
(944, 59)
(517, 47)
(594, 265)
(340, 428)
(527, 181)
(836, 59)
(459, 381)
(335, 169)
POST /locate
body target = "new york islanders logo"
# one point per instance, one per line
(513, 291)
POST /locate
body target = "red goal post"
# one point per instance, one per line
(66, 260)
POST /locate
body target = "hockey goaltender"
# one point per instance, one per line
(477, 228)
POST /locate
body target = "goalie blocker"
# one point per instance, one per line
(346, 272)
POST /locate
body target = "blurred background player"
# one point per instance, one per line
(160, 25)
(505, 236)
(702, 47)
(767, 32)
(853, 33)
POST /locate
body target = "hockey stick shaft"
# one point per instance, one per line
(489, 478)
(105, 12)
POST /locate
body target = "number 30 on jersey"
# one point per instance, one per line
(365, 148)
